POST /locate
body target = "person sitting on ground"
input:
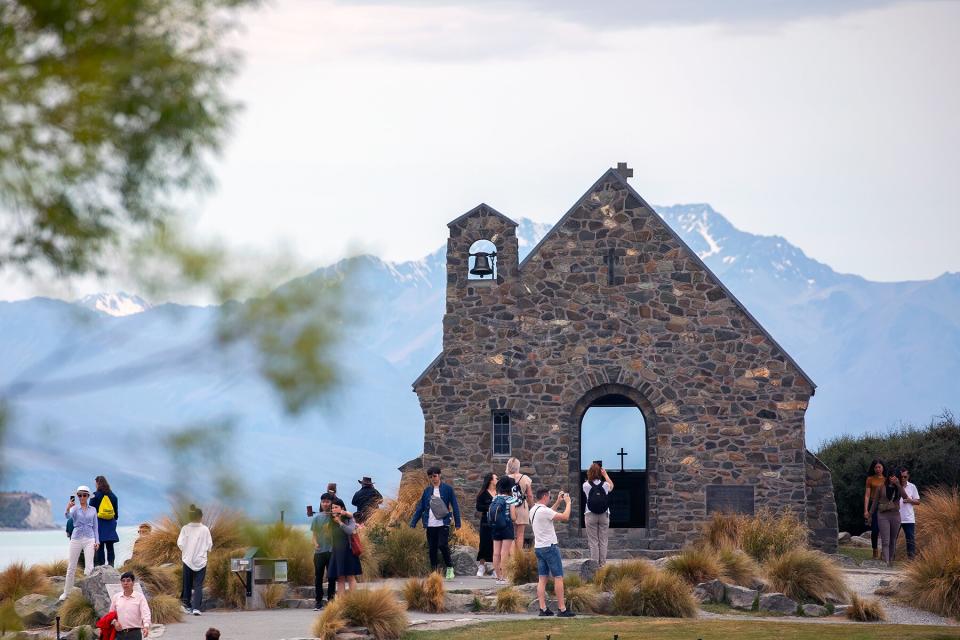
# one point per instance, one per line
(436, 504)
(501, 514)
(367, 500)
(195, 543)
(547, 549)
(212, 634)
(133, 612)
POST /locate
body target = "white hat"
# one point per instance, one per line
(83, 487)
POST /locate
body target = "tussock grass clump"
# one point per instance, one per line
(273, 594)
(723, 530)
(466, 534)
(281, 540)
(737, 567)
(522, 567)
(610, 574)
(863, 610)
(9, 620)
(938, 514)
(221, 581)
(583, 598)
(156, 580)
(509, 600)
(403, 553)
(77, 611)
(369, 560)
(622, 602)
(769, 534)
(18, 580)
(376, 609)
(661, 594)
(160, 545)
(165, 609)
(570, 581)
(428, 594)
(53, 568)
(804, 574)
(695, 565)
(398, 511)
(932, 580)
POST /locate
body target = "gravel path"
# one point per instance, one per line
(864, 582)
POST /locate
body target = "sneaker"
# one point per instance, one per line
(481, 571)
(196, 612)
(450, 574)
(546, 612)
(63, 597)
(187, 610)
(500, 581)
(566, 613)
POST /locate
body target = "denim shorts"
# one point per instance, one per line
(549, 562)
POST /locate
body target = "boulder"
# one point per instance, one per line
(80, 633)
(740, 597)
(857, 541)
(464, 560)
(778, 603)
(843, 561)
(94, 588)
(713, 589)
(605, 602)
(459, 602)
(587, 569)
(534, 606)
(528, 590)
(661, 563)
(843, 537)
(814, 610)
(37, 610)
(840, 609)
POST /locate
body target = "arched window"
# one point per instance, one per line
(483, 261)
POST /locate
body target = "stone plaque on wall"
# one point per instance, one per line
(730, 498)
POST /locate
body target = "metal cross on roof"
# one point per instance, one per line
(624, 170)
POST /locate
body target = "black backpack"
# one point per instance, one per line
(597, 499)
(499, 516)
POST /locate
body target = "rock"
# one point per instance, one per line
(57, 582)
(534, 606)
(857, 541)
(714, 590)
(840, 609)
(814, 610)
(873, 564)
(740, 597)
(843, 537)
(84, 632)
(212, 602)
(459, 602)
(306, 592)
(702, 596)
(528, 590)
(37, 610)
(605, 602)
(464, 560)
(94, 588)
(843, 561)
(661, 563)
(778, 603)
(353, 633)
(758, 584)
(587, 569)
(884, 582)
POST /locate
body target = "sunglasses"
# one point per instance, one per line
(83, 495)
(434, 475)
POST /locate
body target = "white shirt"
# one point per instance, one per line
(132, 612)
(586, 494)
(906, 510)
(541, 519)
(195, 542)
(433, 521)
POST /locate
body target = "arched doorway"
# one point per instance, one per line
(613, 430)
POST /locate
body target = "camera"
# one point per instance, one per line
(309, 510)
(599, 462)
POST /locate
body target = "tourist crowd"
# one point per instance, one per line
(888, 501)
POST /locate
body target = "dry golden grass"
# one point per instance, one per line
(402, 553)
(273, 594)
(863, 610)
(165, 609)
(522, 567)
(160, 545)
(376, 609)
(610, 574)
(737, 567)
(466, 534)
(163, 580)
(622, 603)
(723, 530)
(224, 584)
(664, 595)
(369, 559)
(583, 598)
(18, 580)
(695, 565)
(426, 594)
(76, 611)
(570, 581)
(765, 534)
(938, 514)
(53, 568)
(399, 510)
(804, 574)
(509, 600)
(932, 580)
(281, 540)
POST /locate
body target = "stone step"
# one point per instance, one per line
(621, 553)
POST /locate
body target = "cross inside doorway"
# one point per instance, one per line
(622, 454)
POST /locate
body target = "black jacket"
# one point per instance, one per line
(366, 500)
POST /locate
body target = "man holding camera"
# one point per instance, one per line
(549, 562)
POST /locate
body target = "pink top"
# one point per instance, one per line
(132, 611)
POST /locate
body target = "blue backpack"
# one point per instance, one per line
(499, 516)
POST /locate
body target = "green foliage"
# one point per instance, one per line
(930, 453)
(281, 540)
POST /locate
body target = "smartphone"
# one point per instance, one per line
(309, 510)
(73, 499)
(599, 462)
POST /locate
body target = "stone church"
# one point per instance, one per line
(613, 309)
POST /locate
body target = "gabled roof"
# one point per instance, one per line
(483, 207)
(614, 175)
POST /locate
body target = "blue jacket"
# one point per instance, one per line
(423, 508)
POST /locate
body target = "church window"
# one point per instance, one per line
(483, 261)
(501, 433)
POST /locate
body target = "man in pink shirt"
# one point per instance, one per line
(133, 613)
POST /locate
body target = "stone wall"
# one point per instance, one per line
(722, 402)
(821, 505)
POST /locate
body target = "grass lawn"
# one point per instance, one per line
(672, 629)
(858, 554)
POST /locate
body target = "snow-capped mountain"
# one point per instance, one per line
(115, 304)
(879, 352)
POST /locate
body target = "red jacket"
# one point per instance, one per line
(105, 624)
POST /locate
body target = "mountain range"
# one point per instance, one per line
(880, 353)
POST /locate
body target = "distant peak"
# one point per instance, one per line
(115, 304)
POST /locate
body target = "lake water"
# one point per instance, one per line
(31, 547)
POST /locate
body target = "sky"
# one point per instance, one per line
(368, 125)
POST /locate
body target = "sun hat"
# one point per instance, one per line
(83, 487)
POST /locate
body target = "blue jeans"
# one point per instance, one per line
(910, 531)
(549, 562)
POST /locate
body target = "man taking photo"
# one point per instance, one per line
(547, 550)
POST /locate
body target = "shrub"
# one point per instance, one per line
(369, 560)
(583, 598)
(622, 603)
(509, 600)
(156, 580)
(610, 574)
(273, 594)
(804, 574)
(664, 595)
(737, 567)
(522, 567)
(428, 594)
(223, 583)
(9, 620)
(770, 534)
(695, 565)
(160, 545)
(53, 568)
(18, 580)
(165, 609)
(570, 581)
(932, 580)
(403, 553)
(938, 514)
(863, 610)
(77, 611)
(723, 530)
(376, 609)
(466, 534)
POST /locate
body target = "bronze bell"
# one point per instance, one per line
(481, 264)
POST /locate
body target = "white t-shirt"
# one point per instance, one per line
(431, 520)
(906, 510)
(541, 519)
(194, 542)
(586, 494)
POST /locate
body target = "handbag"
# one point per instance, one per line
(355, 545)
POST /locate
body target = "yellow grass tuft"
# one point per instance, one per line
(428, 594)
(522, 567)
(222, 582)
(622, 603)
(402, 553)
(466, 534)
(156, 581)
(932, 580)
(938, 514)
(376, 609)
(863, 610)
(509, 600)
(77, 611)
(18, 580)
(695, 565)
(53, 568)
(330, 622)
(804, 574)
(273, 594)
(160, 545)
(583, 598)
(165, 609)
(664, 595)
(611, 573)
(723, 530)
(737, 567)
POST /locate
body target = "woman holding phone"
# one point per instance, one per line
(344, 565)
(84, 537)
